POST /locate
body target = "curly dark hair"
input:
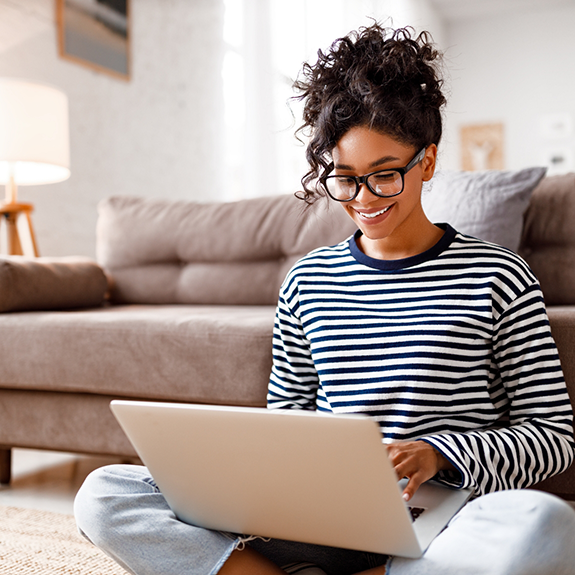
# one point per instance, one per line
(378, 77)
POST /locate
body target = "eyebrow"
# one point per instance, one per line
(380, 162)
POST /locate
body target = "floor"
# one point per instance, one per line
(47, 480)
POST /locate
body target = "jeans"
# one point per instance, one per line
(120, 509)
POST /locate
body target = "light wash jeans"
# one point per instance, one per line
(120, 509)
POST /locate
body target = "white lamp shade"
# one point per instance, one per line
(34, 133)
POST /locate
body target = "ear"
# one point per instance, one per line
(428, 162)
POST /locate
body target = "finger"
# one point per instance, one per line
(397, 453)
(412, 486)
(404, 462)
(395, 457)
(392, 450)
(405, 469)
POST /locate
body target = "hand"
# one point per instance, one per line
(416, 460)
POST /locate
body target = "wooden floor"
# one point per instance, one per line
(47, 480)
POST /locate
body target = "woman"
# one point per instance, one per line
(440, 337)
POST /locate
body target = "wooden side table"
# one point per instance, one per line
(10, 213)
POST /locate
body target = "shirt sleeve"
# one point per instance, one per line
(535, 440)
(293, 381)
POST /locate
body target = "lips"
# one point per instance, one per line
(369, 216)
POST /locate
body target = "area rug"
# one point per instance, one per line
(43, 543)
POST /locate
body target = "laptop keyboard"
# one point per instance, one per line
(416, 512)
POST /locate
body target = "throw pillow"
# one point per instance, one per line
(487, 205)
(50, 283)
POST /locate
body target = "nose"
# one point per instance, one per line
(365, 196)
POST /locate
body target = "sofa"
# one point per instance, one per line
(180, 306)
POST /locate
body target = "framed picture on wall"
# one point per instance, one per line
(482, 147)
(96, 33)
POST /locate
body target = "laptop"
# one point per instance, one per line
(287, 474)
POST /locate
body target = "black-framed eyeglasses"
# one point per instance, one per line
(383, 183)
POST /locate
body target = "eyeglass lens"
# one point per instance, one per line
(386, 183)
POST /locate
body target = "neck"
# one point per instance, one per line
(399, 245)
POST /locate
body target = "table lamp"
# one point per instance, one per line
(34, 148)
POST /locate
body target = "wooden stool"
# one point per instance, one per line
(11, 212)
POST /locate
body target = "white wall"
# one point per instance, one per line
(513, 69)
(152, 136)
(162, 134)
(278, 37)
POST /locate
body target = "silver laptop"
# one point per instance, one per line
(287, 474)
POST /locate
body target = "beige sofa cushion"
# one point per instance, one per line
(548, 242)
(161, 251)
(212, 354)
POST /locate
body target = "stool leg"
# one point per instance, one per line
(32, 235)
(5, 465)
(14, 245)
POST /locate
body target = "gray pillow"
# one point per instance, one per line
(487, 205)
(50, 283)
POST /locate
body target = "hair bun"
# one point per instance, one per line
(383, 78)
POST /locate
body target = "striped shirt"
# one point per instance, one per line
(452, 346)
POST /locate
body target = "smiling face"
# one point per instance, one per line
(394, 227)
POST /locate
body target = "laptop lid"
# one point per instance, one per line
(288, 474)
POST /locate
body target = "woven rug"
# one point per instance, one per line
(42, 543)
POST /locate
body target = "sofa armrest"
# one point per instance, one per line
(562, 319)
(50, 283)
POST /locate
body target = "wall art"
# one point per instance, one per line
(96, 33)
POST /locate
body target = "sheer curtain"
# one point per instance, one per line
(267, 42)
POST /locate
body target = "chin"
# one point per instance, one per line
(372, 234)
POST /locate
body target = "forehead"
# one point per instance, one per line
(363, 147)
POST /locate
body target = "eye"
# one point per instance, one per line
(345, 181)
(382, 178)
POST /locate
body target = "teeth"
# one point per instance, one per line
(374, 214)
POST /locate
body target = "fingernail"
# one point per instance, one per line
(406, 496)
